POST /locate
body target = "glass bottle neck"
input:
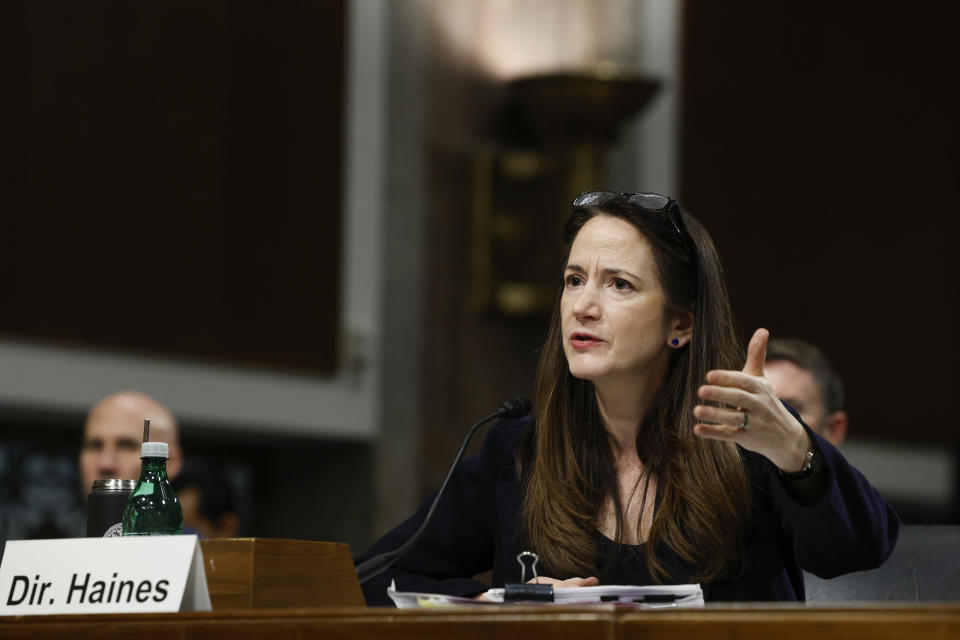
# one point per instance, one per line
(154, 466)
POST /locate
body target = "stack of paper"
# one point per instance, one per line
(647, 597)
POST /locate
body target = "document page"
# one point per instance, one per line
(645, 597)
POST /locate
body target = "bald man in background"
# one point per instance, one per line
(113, 433)
(47, 508)
(802, 376)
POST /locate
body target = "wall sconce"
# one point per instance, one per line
(546, 142)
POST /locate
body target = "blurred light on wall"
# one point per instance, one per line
(511, 38)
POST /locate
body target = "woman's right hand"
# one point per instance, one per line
(563, 584)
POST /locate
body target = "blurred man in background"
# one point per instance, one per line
(802, 376)
(41, 498)
(207, 499)
(113, 433)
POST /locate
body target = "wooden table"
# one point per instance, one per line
(870, 621)
(280, 589)
(741, 622)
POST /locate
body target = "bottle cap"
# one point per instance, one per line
(154, 450)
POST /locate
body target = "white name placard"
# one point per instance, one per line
(103, 575)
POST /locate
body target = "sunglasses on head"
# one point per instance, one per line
(648, 201)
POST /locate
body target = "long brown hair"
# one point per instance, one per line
(566, 458)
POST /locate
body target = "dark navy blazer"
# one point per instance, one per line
(850, 528)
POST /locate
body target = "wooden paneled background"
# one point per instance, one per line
(171, 177)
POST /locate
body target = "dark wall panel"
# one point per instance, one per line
(820, 147)
(171, 176)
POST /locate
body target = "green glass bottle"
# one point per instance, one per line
(153, 508)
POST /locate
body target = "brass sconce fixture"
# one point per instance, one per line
(546, 143)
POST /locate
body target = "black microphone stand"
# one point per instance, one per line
(512, 408)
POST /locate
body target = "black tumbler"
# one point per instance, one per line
(105, 507)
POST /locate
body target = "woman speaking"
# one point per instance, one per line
(652, 456)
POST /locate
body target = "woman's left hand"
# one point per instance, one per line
(767, 427)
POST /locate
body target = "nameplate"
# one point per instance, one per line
(143, 574)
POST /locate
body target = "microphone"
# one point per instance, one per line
(515, 407)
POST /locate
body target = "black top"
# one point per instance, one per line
(849, 528)
(631, 567)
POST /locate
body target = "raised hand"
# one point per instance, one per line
(755, 418)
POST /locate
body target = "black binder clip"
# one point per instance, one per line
(528, 592)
